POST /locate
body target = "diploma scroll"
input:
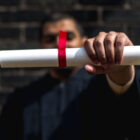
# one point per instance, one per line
(49, 57)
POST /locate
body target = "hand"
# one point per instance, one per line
(106, 49)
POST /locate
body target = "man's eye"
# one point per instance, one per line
(70, 36)
(50, 39)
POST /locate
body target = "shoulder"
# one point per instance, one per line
(30, 92)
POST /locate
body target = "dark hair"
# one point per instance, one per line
(57, 17)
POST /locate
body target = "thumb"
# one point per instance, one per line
(92, 69)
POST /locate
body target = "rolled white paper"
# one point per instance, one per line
(49, 57)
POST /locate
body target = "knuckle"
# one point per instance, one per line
(119, 42)
(97, 43)
(112, 32)
(108, 40)
(100, 33)
(121, 34)
(86, 43)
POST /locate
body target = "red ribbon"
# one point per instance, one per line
(62, 49)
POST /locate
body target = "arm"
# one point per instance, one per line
(120, 88)
(107, 49)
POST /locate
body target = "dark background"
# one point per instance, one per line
(20, 21)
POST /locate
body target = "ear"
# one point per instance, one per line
(84, 39)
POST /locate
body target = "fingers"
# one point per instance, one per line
(109, 42)
(106, 48)
(120, 42)
(99, 47)
(90, 50)
(96, 69)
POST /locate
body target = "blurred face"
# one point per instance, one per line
(50, 36)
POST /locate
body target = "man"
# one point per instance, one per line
(68, 103)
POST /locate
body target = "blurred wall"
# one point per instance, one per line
(20, 21)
